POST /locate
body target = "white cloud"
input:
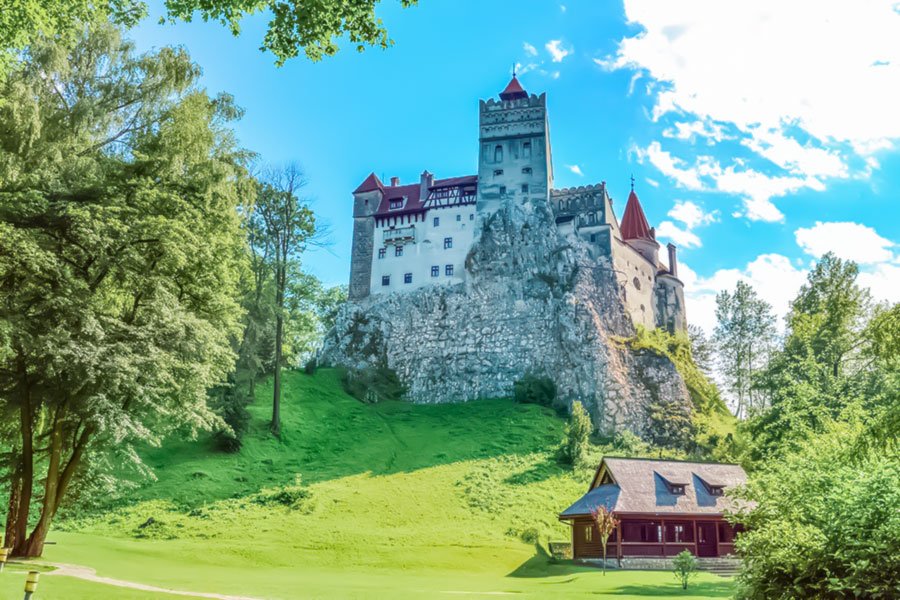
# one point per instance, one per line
(883, 280)
(682, 237)
(670, 166)
(529, 49)
(562, 7)
(808, 86)
(575, 169)
(557, 51)
(522, 69)
(850, 241)
(691, 214)
(652, 182)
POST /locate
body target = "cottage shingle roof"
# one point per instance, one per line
(640, 486)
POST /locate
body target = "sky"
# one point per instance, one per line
(761, 134)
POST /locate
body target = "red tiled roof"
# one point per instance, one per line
(412, 192)
(634, 223)
(513, 91)
(371, 184)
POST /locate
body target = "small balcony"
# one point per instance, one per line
(403, 235)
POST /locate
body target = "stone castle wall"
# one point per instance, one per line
(534, 301)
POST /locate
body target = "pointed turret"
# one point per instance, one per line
(634, 222)
(371, 184)
(513, 91)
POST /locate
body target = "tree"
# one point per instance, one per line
(578, 433)
(289, 226)
(606, 523)
(685, 566)
(743, 337)
(120, 249)
(701, 349)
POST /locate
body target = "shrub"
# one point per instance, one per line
(685, 565)
(295, 495)
(531, 535)
(230, 403)
(534, 389)
(578, 432)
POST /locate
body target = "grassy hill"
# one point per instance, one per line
(378, 501)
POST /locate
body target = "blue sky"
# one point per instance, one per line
(760, 135)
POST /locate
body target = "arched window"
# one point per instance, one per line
(498, 153)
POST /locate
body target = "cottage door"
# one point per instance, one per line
(706, 539)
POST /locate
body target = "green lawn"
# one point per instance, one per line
(398, 501)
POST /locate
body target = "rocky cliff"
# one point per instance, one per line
(533, 302)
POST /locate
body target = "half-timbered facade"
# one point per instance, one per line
(663, 508)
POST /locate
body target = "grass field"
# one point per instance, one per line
(355, 501)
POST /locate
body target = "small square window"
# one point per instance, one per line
(435, 271)
(448, 243)
(437, 221)
(526, 170)
(524, 188)
(459, 217)
(471, 216)
(381, 252)
(498, 172)
(385, 280)
(398, 250)
(448, 270)
(407, 278)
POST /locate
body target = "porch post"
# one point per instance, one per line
(619, 542)
(663, 536)
(696, 543)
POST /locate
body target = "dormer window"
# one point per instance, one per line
(396, 203)
(716, 490)
(677, 490)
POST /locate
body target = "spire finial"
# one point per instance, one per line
(514, 69)
(632, 182)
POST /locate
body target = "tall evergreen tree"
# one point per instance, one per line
(743, 337)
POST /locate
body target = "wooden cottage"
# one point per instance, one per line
(663, 507)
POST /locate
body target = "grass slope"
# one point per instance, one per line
(397, 501)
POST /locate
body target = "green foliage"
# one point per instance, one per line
(230, 403)
(826, 524)
(578, 432)
(536, 389)
(309, 25)
(294, 496)
(685, 565)
(373, 384)
(711, 423)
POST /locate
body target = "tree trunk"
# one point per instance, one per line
(35, 545)
(15, 489)
(279, 335)
(26, 481)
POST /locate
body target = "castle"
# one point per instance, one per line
(463, 286)
(408, 236)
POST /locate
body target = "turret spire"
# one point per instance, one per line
(514, 89)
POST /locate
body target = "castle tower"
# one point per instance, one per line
(514, 159)
(366, 199)
(636, 231)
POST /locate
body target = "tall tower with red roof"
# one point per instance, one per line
(366, 199)
(514, 160)
(636, 231)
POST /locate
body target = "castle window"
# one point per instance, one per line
(385, 280)
(407, 278)
(637, 283)
(435, 271)
(448, 270)
(524, 188)
(502, 190)
(459, 217)
(498, 153)
(526, 150)
(448, 243)
(398, 250)
(397, 203)
(437, 221)
(498, 172)
(593, 237)
(381, 253)
(526, 170)
(471, 216)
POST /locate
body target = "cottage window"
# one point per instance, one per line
(716, 490)
(498, 153)
(385, 280)
(437, 221)
(448, 270)
(407, 278)
(676, 489)
(679, 532)
(435, 271)
(588, 533)
(381, 253)
(448, 243)
(398, 250)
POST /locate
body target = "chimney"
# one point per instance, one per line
(673, 261)
(425, 181)
(395, 181)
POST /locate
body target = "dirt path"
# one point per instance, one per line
(89, 574)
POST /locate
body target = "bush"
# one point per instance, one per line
(578, 432)
(534, 389)
(373, 384)
(685, 565)
(230, 403)
(294, 496)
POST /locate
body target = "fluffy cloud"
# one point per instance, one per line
(575, 169)
(529, 49)
(851, 241)
(682, 237)
(691, 216)
(809, 87)
(557, 51)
